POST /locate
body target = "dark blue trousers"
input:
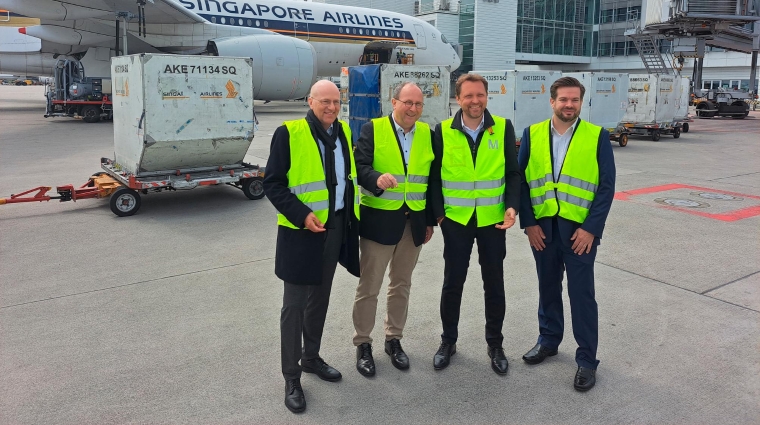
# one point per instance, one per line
(551, 264)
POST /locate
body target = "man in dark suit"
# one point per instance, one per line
(393, 156)
(311, 181)
(567, 191)
(474, 194)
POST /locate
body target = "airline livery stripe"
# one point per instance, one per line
(301, 28)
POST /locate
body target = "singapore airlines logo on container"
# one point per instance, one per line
(231, 93)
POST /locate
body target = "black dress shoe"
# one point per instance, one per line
(294, 399)
(585, 378)
(443, 355)
(365, 364)
(399, 359)
(538, 354)
(499, 362)
(321, 369)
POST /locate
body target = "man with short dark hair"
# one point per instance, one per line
(393, 156)
(475, 194)
(311, 181)
(567, 191)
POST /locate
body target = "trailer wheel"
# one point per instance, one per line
(125, 202)
(90, 113)
(685, 127)
(655, 135)
(253, 188)
(623, 140)
(676, 133)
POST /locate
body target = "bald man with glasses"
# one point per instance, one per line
(393, 157)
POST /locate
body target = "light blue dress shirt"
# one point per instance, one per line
(405, 139)
(474, 133)
(340, 171)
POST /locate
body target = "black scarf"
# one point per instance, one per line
(330, 141)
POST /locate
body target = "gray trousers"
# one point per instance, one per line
(304, 308)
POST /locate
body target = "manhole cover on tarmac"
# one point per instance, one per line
(684, 203)
(717, 196)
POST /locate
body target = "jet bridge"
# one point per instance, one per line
(692, 25)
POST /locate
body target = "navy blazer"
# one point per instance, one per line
(600, 208)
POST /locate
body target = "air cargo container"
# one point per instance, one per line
(370, 90)
(606, 97)
(181, 112)
(653, 105)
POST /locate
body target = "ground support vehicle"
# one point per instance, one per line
(73, 94)
(125, 189)
(722, 103)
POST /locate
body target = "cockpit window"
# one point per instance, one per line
(443, 38)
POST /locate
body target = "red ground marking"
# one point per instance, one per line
(729, 216)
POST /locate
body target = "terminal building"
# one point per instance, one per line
(565, 35)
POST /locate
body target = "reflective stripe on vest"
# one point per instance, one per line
(306, 176)
(572, 194)
(469, 187)
(387, 158)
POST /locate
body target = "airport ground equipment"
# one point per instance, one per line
(73, 94)
(683, 118)
(605, 101)
(180, 122)
(653, 105)
(722, 102)
(124, 189)
(370, 90)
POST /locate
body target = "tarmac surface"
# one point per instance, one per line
(172, 315)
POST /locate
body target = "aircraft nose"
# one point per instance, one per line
(456, 60)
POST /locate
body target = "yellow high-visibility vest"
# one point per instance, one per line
(306, 176)
(469, 187)
(412, 185)
(571, 195)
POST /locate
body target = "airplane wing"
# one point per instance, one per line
(156, 11)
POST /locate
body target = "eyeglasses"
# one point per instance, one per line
(409, 104)
(328, 102)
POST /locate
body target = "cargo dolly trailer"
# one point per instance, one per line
(125, 189)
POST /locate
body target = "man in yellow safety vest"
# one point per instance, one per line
(311, 181)
(567, 192)
(475, 193)
(393, 156)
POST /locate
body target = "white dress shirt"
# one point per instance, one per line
(560, 144)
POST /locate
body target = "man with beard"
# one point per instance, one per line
(311, 181)
(567, 191)
(474, 193)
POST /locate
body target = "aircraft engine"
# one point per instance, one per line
(283, 67)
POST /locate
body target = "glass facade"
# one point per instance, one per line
(555, 27)
(466, 33)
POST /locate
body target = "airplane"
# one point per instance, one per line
(291, 42)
